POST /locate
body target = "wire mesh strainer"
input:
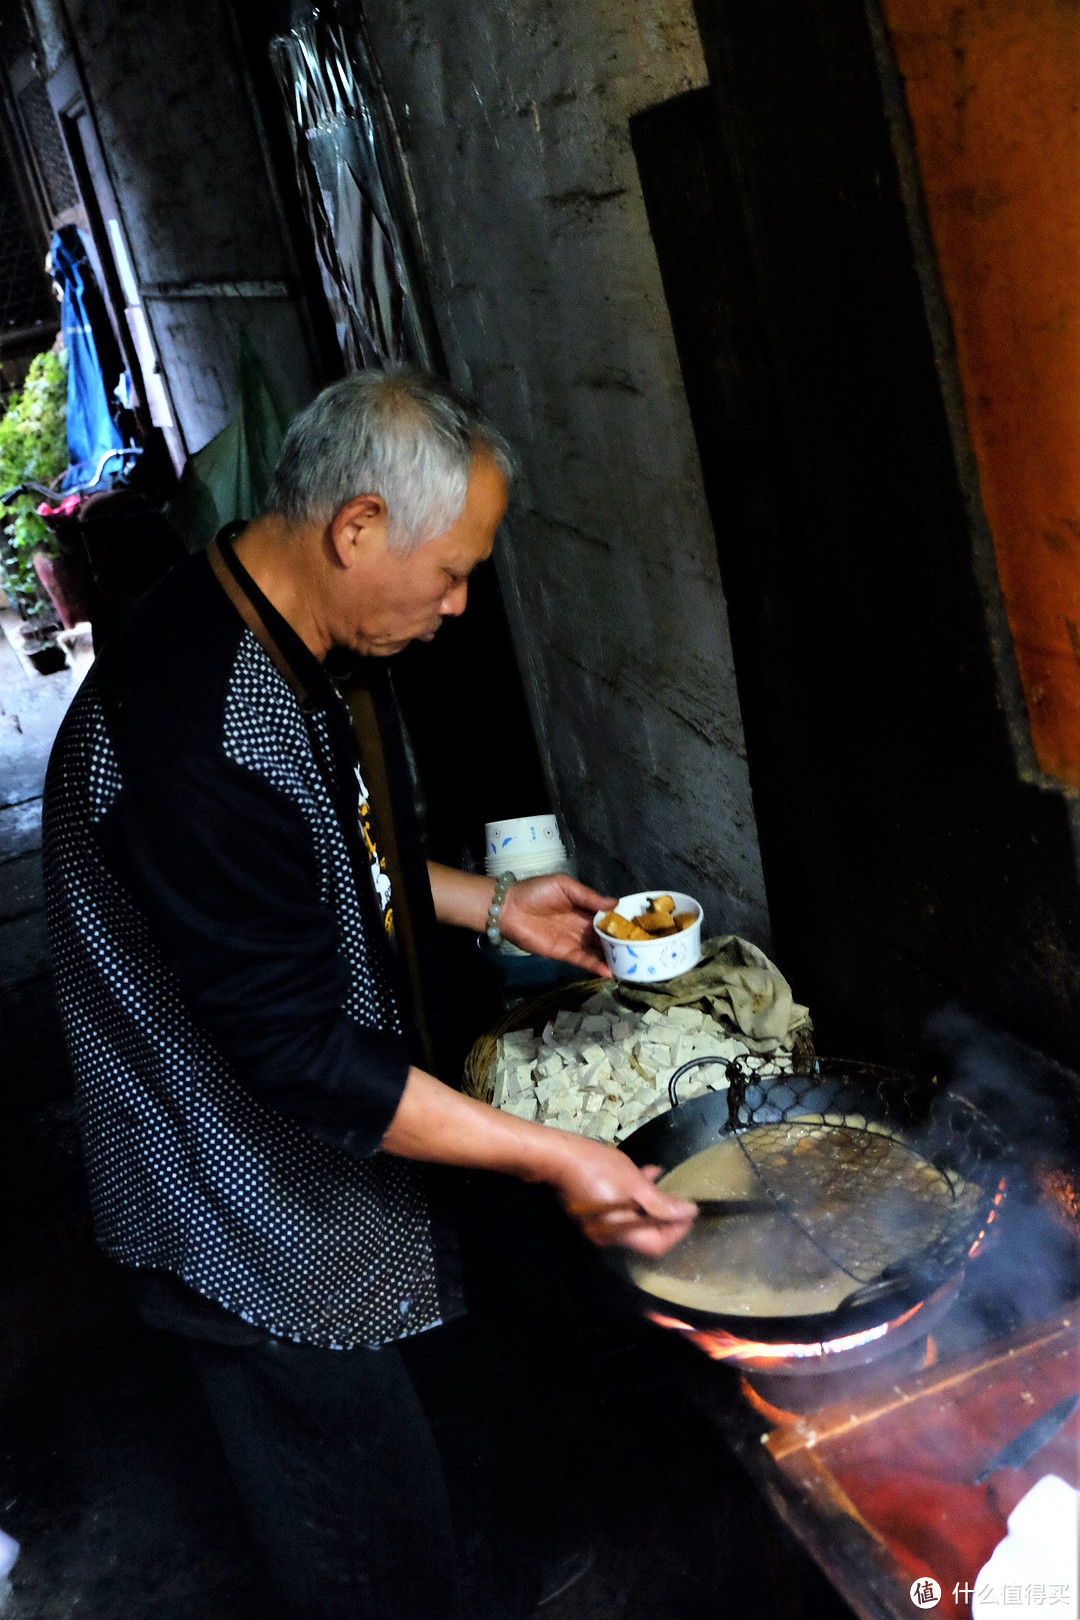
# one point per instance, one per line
(866, 1200)
(889, 1180)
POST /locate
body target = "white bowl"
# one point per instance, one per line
(646, 961)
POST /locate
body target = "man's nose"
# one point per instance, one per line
(453, 603)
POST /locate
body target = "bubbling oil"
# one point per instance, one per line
(739, 1265)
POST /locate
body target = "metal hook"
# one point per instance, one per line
(694, 1063)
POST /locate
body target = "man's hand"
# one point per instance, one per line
(553, 916)
(613, 1201)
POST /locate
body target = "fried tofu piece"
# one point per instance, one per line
(615, 925)
(656, 923)
(660, 921)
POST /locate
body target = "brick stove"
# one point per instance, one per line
(869, 1451)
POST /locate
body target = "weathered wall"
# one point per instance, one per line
(184, 158)
(548, 297)
(991, 91)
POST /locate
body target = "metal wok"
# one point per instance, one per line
(948, 1130)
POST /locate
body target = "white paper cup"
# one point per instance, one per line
(648, 961)
(525, 835)
(523, 866)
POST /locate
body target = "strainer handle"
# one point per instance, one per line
(684, 1068)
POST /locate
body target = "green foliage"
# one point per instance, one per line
(33, 445)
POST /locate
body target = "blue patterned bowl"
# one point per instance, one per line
(647, 961)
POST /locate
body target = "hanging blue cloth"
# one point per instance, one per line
(91, 430)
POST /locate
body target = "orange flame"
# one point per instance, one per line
(1061, 1189)
(721, 1346)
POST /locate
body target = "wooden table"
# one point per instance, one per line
(879, 1488)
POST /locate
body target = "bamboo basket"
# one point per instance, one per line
(478, 1077)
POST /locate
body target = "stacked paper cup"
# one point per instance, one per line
(528, 846)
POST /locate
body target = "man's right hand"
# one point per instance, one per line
(613, 1200)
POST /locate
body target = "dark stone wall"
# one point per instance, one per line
(168, 96)
(543, 277)
(906, 860)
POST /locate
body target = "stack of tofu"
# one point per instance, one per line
(604, 1071)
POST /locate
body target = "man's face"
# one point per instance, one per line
(387, 599)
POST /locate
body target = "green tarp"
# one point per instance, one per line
(229, 477)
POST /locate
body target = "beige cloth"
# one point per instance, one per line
(740, 986)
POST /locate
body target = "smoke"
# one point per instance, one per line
(1030, 1267)
(1029, 1096)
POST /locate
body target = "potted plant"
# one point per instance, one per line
(33, 447)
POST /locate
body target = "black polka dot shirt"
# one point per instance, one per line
(230, 998)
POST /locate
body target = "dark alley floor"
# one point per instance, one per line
(104, 1474)
(110, 1475)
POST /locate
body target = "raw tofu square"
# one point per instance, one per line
(519, 1041)
(549, 1087)
(653, 1057)
(723, 1045)
(594, 1102)
(688, 1017)
(566, 1023)
(623, 1029)
(521, 1107)
(596, 1024)
(597, 1074)
(593, 1053)
(607, 1127)
(651, 1016)
(519, 1079)
(550, 1065)
(685, 1050)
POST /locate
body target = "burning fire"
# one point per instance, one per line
(1060, 1188)
(978, 1243)
(721, 1346)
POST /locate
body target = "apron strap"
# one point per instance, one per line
(369, 743)
(369, 746)
(251, 616)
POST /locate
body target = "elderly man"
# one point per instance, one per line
(234, 913)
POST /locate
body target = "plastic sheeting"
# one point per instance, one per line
(340, 129)
(229, 477)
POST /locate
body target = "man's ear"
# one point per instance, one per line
(358, 529)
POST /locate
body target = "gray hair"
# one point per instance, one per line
(401, 434)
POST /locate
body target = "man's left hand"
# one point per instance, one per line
(553, 916)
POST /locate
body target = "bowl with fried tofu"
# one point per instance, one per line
(651, 936)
